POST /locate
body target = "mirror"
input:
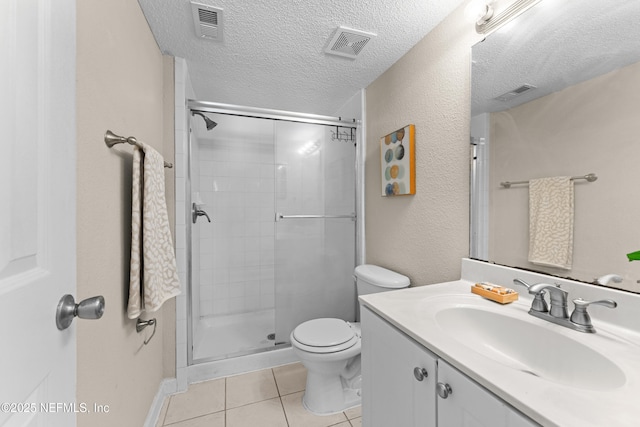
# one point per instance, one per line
(556, 92)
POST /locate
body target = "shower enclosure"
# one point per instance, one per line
(279, 190)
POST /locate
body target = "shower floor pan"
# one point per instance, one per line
(221, 337)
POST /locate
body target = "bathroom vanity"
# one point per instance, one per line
(407, 385)
(441, 356)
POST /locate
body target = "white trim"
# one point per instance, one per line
(167, 387)
(361, 186)
(239, 365)
(182, 91)
(479, 188)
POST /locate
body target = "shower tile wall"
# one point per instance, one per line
(237, 248)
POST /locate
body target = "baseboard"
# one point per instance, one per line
(167, 387)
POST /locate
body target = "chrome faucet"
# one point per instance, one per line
(558, 313)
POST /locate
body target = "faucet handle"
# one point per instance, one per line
(580, 316)
(521, 282)
(539, 304)
(609, 303)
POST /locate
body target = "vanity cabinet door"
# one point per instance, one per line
(392, 394)
(470, 405)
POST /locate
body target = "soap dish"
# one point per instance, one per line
(495, 293)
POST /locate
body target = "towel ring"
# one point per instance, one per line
(141, 324)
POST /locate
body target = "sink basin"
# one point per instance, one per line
(510, 338)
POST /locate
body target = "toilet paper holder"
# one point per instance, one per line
(141, 324)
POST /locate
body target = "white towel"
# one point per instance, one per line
(551, 222)
(153, 275)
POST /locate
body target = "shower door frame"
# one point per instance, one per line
(270, 114)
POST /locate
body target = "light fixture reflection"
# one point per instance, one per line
(309, 149)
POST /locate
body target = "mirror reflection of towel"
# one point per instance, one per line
(551, 222)
(153, 275)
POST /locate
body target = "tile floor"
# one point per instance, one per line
(266, 398)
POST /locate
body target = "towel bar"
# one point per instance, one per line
(280, 216)
(111, 139)
(589, 177)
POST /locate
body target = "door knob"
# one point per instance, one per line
(90, 308)
(444, 390)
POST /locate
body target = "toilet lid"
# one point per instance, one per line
(323, 332)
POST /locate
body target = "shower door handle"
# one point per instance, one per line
(198, 212)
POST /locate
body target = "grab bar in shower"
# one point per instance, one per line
(280, 216)
(111, 139)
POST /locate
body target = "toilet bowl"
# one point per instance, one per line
(329, 349)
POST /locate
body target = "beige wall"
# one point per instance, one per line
(424, 236)
(589, 127)
(122, 83)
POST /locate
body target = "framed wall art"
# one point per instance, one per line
(398, 160)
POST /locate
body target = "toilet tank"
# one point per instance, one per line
(371, 279)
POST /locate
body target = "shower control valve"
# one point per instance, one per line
(198, 212)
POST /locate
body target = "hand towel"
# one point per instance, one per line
(153, 275)
(551, 222)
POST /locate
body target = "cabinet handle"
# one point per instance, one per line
(420, 373)
(444, 390)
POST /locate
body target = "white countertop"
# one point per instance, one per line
(546, 402)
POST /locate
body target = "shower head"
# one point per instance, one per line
(210, 123)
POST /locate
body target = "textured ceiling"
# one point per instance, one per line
(554, 45)
(272, 54)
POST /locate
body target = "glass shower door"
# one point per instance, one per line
(315, 226)
(232, 178)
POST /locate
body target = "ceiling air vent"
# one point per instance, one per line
(348, 42)
(516, 92)
(208, 21)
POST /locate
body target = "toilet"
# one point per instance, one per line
(330, 348)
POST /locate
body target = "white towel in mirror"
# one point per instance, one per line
(551, 222)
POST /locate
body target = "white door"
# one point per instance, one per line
(37, 211)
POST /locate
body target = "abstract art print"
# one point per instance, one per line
(398, 160)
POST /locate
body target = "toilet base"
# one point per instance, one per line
(326, 393)
(350, 397)
(333, 377)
